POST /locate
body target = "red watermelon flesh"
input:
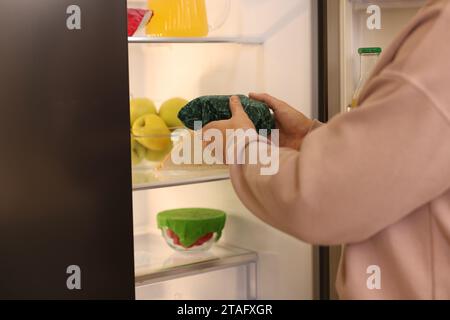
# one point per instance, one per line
(199, 242)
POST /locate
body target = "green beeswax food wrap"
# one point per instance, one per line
(214, 108)
(192, 223)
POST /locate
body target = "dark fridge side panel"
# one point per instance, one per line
(65, 181)
(329, 43)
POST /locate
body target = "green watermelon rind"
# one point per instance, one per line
(190, 224)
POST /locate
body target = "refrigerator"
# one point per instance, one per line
(344, 27)
(77, 222)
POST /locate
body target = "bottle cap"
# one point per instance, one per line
(372, 50)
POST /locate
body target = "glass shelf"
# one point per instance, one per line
(150, 179)
(235, 40)
(156, 262)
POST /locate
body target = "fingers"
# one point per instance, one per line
(235, 106)
(272, 102)
(206, 142)
(211, 125)
(217, 125)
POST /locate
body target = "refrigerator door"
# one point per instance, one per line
(65, 200)
(349, 25)
(345, 26)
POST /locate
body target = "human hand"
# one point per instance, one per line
(238, 120)
(293, 125)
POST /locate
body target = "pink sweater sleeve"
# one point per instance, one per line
(370, 168)
(360, 173)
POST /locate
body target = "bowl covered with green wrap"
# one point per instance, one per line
(191, 229)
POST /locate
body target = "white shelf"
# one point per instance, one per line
(235, 40)
(156, 262)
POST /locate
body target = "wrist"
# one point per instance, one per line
(314, 125)
(307, 127)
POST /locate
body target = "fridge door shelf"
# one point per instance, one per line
(156, 262)
(232, 40)
(388, 4)
(155, 179)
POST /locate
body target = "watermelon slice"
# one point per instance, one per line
(176, 240)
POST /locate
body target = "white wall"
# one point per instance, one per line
(283, 67)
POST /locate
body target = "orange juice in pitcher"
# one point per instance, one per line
(180, 18)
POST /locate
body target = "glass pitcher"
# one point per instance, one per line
(182, 18)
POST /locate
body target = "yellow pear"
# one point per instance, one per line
(138, 152)
(152, 132)
(158, 156)
(169, 112)
(140, 107)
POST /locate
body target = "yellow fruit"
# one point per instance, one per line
(140, 107)
(138, 152)
(151, 131)
(158, 156)
(169, 112)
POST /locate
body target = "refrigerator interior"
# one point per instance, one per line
(395, 14)
(284, 65)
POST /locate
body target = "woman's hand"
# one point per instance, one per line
(238, 120)
(293, 125)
